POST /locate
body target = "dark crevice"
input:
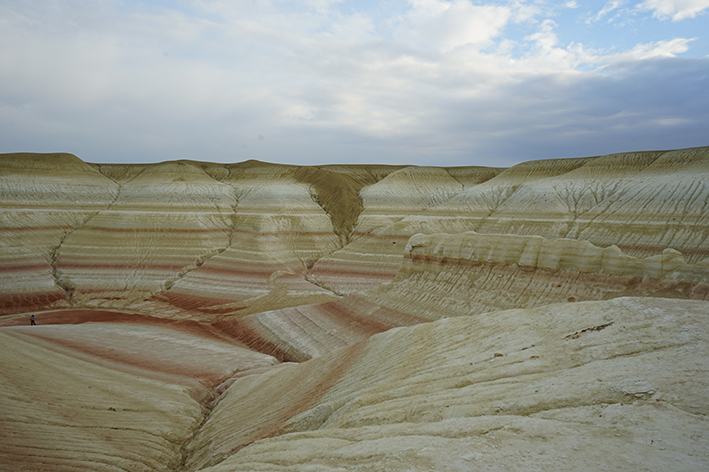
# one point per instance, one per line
(67, 286)
(338, 195)
(214, 392)
(471, 176)
(205, 257)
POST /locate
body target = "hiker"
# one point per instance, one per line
(32, 323)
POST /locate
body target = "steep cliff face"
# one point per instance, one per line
(443, 319)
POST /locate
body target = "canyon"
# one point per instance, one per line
(195, 316)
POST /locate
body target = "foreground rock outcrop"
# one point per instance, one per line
(197, 316)
(112, 395)
(540, 389)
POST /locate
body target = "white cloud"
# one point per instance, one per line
(447, 25)
(523, 12)
(669, 48)
(545, 38)
(675, 9)
(610, 6)
(546, 55)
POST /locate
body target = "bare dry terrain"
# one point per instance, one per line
(259, 317)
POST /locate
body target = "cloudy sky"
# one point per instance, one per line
(428, 82)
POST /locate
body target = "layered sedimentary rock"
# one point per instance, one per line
(176, 239)
(43, 199)
(193, 239)
(450, 275)
(277, 231)
(407, 191)
(539, 389)
(196, 316)
(642, 203)
(122, 395)
(166, 220)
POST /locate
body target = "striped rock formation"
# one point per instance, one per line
(176, 239)
(539, 389)
(643, 203)
(221, 317)
(407, 191)
(119, 393)
(450, 275)
(43, 199)
(276, 232)
(187, 239)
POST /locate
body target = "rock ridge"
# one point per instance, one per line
(536, 252)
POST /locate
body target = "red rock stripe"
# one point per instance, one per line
(31, 301)
(246, 330)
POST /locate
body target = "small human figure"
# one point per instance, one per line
(32, 323)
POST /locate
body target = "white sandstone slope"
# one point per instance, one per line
(412, 189)
(165, 221)
(208, 241)
(276, 233)
(615, 385)
(175, 239)
(641, 202)
(407, 191)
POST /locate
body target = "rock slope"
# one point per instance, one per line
(108, 396)
(540, 389)
(43, 200)
(449, 275)
(643, 203)
(221, 317)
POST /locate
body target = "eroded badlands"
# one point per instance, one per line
(209, 317)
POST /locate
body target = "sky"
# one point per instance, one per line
(310, 82)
